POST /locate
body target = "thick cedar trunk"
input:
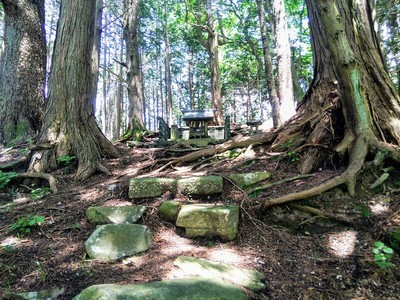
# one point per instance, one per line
(22, 69)
(268, 69)
(351, 106)
(70, 122)
(133, 63)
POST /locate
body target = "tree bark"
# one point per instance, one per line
(22, 69)
(285, 82)
(268, 68)
(133, 62)
(70, 122)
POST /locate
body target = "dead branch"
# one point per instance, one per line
(51, 179)
(241, 142)
(320, 213)
(269, 185)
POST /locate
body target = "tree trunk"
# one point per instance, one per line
(133, 63)
(70, 124)
(22, 69)
(285, 83)
(96, 46)
(212, 47)
(351, 106)
(268, 69)
(168, 77)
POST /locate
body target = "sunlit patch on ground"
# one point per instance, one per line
(379, 206)
(342, 244)
(10, 242)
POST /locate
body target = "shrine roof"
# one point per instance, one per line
(198, 114)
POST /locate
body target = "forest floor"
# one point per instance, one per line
(303, 256)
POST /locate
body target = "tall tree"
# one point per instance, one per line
(268, 67)
(22, 68)
(205, 11)
(352, 105)
(285, 83)
(70, 127)
(134, 81)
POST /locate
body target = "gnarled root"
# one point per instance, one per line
(51, 179)
(359, 152)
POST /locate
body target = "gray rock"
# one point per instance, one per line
(150, 187)
(248, 179)
(114, 241)
(247, 278)
(114, 214)
(155, 187)
(200, 185)
(193, 288)
(169, 210)
(209, 220)
(41, 295)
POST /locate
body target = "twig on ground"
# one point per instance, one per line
(272, 184)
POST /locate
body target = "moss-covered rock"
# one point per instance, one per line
(169, 210)
(248, 179)
(247, 278)
(114, 241)
(150, 187)
(209, 220)
(114, 214)
(193, 288)
(155, 187)
(200, 185)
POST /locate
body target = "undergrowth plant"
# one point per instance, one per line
(25, 224)
(66, 159)
(382, 255)
(39, 193)
(5, 178)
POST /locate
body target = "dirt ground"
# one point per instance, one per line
(302, 255)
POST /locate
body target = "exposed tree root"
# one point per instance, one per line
(51, 179)
(320, 213)
(358, 154)
(272, 184)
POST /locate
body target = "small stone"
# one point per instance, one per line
(169, 210)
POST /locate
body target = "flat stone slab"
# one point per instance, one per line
(247, 278)
(150, 187)
(114, 241)
(209, 220)
(41, 295)
(193, 288)
(248, 179)
(155, 187)
(114, 214)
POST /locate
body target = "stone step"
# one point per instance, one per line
(155, 187)
(194, 288)
(100, 215)
(114, 241)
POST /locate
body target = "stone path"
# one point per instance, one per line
(117, 236)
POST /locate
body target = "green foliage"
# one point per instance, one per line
(287, 144)
(382, 255)
(293, 157)
(365, 210)
(395, 239)
(25, 224)
(5, 178)
(66, 160)
(39, 193)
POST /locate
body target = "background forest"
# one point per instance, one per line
(174, 65)
(81, 79)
